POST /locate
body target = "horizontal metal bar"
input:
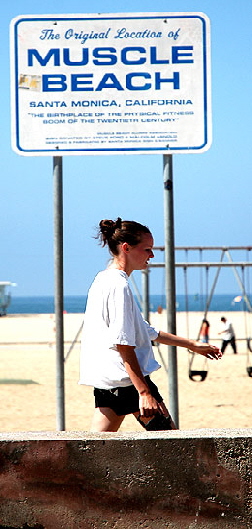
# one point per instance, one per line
(202, 265)
(161, 248)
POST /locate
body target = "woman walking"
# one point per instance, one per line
(116, 355)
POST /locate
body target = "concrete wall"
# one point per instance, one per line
(199, 479)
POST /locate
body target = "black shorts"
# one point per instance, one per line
(123, 400)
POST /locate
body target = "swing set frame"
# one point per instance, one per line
(200, 375)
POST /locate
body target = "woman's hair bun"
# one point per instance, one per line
(107, 229)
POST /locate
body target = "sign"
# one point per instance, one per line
(110, 83)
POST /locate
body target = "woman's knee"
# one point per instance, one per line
(106, 420)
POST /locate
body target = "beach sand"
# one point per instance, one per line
(28, 376)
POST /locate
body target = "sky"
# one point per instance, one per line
(212, 190)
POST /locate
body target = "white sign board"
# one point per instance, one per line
(110, 83)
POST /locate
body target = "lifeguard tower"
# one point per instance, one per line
(5, 297)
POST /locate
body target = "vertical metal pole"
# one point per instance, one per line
(59, 295)
(145, 289)
(170, 287)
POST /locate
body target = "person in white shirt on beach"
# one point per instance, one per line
(116, 353)
(228, 335)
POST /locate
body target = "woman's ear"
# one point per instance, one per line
(125, 247)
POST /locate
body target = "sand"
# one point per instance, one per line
(28, 376)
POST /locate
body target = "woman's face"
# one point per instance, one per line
(139, 255)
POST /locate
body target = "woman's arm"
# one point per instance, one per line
(205, 349)
(147, 404)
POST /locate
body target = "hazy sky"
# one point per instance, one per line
(212, 190)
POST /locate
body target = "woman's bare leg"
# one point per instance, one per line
(106, 420)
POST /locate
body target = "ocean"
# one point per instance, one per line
(77, 304)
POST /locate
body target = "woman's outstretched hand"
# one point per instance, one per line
(205, 349)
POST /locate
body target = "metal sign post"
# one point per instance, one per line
(145, 290)
(170, 288)
(59, 294)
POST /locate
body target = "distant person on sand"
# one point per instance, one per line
(228, 335)
(204, 331)
(116, 353)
